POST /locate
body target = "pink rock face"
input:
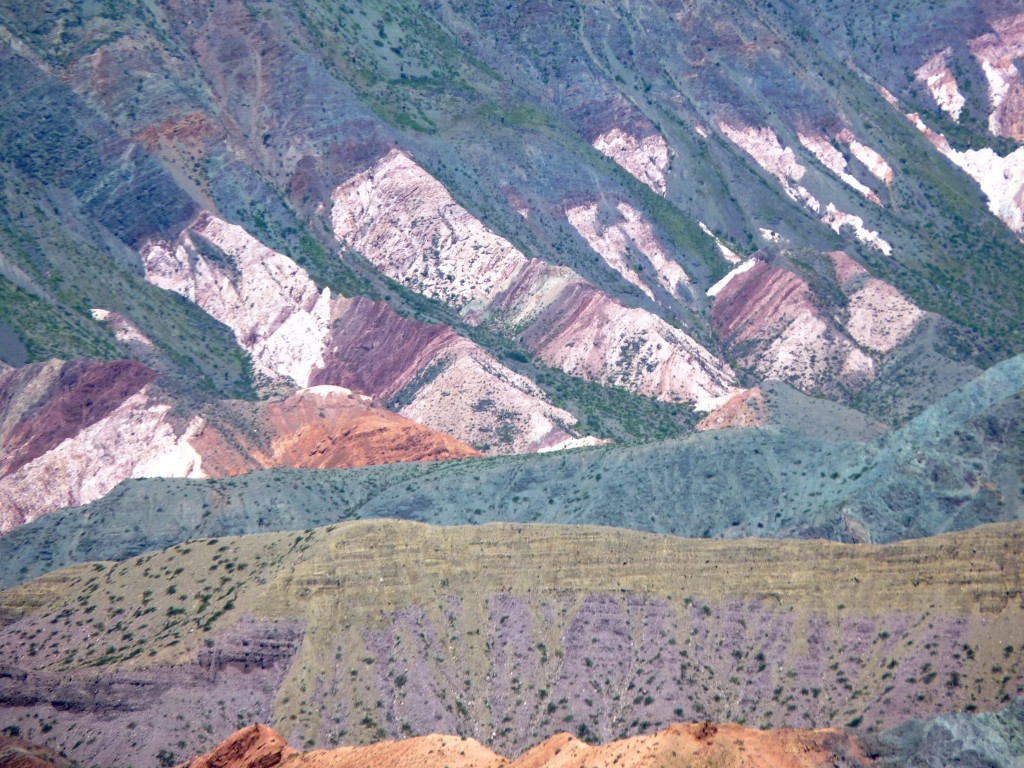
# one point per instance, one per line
(297, 332)
(771, 314)
(587, 334)
(135, 439)
(405, 222)
(42, 405)
(997, 53)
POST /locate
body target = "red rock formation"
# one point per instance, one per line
(374, 350)
(699, 745)
(84, 393)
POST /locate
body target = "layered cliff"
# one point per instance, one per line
(377, 629)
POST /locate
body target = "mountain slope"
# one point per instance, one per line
(71, 431)
(373, 629)
(610, 207)
(956, 465)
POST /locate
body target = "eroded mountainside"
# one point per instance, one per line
(813, 472)
(71, 431)
(408, 200)
(245, 241)
(376, 629)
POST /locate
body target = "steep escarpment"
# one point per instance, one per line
(375, 629)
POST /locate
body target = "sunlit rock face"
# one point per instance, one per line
(879, 317)
(998, 53)
(1000, 178)
(937, 77)
(277, 313)
(408, 225)
(71, 431)
(770, 316)
(646, 158)
(833, 159)
(134, 438)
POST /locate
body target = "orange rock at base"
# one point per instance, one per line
(321, 428)
(744, 409)
(256, 746)
(18, 753)
(699, 745)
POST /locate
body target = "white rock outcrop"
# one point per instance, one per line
(767, 151)
(871, 159)
(727, 253)
(1000, 178)
(490, 406)
(404, 221)
(645, 158)
(625, 240)
(276, 311)
(833, 159)
(839, 220)
(879, 317)
(941, 83)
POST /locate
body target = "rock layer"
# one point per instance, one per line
(406, 223)
(624, 633)
(294, 330)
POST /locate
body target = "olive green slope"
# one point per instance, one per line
(508, 633)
